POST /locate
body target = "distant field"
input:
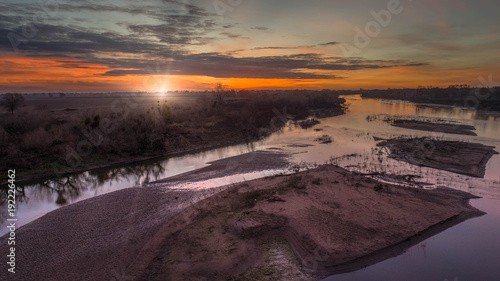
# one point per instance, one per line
(99, 102)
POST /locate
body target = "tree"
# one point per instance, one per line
(219, 93)
(12, 101)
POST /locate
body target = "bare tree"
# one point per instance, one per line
(12, 101)
(219, 94)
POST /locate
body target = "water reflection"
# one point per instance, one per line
(52, 193)
(34, 199)
(396, 107)
(71, 187)
(20, 199)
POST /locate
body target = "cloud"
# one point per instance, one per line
(231, 35)
(329, 43)
(168, 41)
(298, 66)
(261, 28)
(416, 64)
(295, 47)
(275, 48)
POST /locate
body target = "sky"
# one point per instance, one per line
(157, 46)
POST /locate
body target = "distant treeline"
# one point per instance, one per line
(457, 95)
(43, 142)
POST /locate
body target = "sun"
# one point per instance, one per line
(162, 91)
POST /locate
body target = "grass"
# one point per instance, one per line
(308, 123)
(324, 139)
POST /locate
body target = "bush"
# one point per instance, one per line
(38, 141)
(4, 140)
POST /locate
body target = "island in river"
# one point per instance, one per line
(290, 227)
(460, 157)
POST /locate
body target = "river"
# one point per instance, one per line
(468, 251)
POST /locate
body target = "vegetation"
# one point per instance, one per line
(12, 101)
(219, 93)
(44, 142)
(308, 123)
(457, 95)
(324, 139)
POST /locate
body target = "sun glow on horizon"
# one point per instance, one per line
(163, 89)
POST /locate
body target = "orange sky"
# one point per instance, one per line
(77, 76)
(255, 45)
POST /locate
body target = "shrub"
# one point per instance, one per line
(38, 140)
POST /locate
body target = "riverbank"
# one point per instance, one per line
(38, 174)
(267, 228)
(487, 99)
(41, 143)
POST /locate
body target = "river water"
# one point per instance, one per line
(468, 251)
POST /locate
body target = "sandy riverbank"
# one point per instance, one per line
(240, 164)
(296, 227)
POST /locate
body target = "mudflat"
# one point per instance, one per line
(459, 129)
(454, 156)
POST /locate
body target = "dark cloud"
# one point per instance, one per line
(157, 11)
(121, 72)
(274, 48)
(226, 71)
(329, 43)
(167, 43)
(416, 64)
(295, 47)
(231, 35)
(175, 34)
(261, 28)
(190, 28)
(65, 41)
(226, 66)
